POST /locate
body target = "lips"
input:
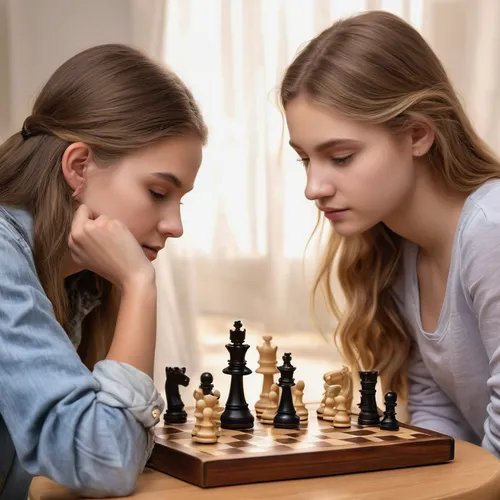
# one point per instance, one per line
(151, 252)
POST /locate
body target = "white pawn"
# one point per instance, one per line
(211, 402)
(300, 407)
(218, 410)
(206, 433)
(270, 412)
(198, 415)
(342, 418)
(329, 411)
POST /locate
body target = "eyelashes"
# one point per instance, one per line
(337, 160)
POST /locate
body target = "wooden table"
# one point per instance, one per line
(474, 475)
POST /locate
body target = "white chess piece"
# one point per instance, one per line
(342, 418)
(267, 367)
(206, 433)
(329, 411)
(198, 415)
(211, 402)
(270, 412)
(300, 407)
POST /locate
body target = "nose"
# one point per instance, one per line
(318, 185)
(171, 226)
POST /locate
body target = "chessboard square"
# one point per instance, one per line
(362, 432)
(180, 435)
(321, 436)
(417, 436)
(322, 444)
(389, 438)
(234, 451)
(286, 441)
(239, 444)
(243, 437)
(358, 440)
(337, 442)
(161, 431)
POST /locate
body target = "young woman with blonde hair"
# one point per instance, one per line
(90, 190)
(413, 197)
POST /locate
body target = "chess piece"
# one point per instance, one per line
(198, 415)
(211, 402)
(206, 385)
(286, 418)
(218, 409)
(342, 377)
(342, 418)
(330, 411)
(236, 414)
(300, 407)
(267, 367)
(206, 433)
(269, 413)
(368, 415)
(389, 422)
(175, 413)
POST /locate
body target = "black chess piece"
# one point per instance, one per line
(206, 385)
(175, 413)
(236, 414)
(368, 405)
(389, 422)
(286, 417)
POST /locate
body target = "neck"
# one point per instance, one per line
(69, 266)
(429, 218)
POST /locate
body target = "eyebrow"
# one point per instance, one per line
(328, 144)
(170, 178)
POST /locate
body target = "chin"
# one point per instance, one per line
(345, 228)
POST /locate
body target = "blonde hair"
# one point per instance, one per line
(117, 101)
(377, 69)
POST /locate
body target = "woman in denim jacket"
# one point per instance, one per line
(90, 191)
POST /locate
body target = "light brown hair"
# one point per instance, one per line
(377, 69)
(117, 101)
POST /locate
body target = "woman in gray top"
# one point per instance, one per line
(90, 190)
(413, 199)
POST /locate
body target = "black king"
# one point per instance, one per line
(236, 414)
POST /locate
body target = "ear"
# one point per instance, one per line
(75, 161)
(422, 137)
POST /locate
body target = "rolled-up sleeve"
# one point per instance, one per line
(88, 431)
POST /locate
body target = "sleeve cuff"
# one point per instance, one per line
(124, 386)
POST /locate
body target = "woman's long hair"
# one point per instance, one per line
(117, 101)
(375, 68)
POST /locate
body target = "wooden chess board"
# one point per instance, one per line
(316, 449)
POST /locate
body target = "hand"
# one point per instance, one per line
(107, 247)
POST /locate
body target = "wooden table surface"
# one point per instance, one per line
(473, 475)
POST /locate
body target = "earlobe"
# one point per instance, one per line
(74, 163)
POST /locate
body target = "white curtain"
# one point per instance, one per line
(247, 223)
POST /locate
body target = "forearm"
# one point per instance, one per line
(135, 333)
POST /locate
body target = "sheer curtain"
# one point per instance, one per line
(247, 222)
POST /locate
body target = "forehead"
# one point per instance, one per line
(178, 156)
(310, 124)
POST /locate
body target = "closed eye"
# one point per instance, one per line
(342, 160)
(304, 161)
(156, 195)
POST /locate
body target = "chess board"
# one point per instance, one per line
(316, 449)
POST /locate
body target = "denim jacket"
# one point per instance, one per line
(88, 431)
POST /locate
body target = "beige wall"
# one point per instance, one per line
(36, 36)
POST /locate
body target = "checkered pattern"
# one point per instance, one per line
(266, 440)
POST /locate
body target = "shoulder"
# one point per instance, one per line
(18, 224)
(480, 219)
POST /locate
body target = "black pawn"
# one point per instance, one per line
(236, 414)
(368, 405)
(389, 422)
(206, 385)
(286, 417)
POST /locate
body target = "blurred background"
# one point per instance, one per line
(247, 222)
